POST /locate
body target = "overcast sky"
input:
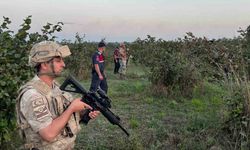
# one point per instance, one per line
(125, 20)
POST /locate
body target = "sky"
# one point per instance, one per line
(126, 20)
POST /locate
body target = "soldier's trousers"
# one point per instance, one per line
(96, 83)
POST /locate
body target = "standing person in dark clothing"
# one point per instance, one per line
(98, 76)
(128, 56)
(116, 60)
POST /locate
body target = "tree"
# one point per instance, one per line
(14, 69)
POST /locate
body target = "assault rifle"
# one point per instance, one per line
(97, 100)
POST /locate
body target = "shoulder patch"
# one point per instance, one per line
(40, 109)
(97, 58)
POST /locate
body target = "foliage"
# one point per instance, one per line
(184, 64)
(168, 65)
(14, 70)
(237, 125)
(181, 65)
(80, 63)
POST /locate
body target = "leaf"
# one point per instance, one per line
(2, 83)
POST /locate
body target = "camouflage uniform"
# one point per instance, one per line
(37, 106)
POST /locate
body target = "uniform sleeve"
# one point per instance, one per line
(35, 109)
(95, 59)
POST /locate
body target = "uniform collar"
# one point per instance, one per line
(99, 52)
(37, 78)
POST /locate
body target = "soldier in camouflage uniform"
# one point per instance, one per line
(48, 117)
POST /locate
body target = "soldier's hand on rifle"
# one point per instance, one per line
(94, 114)
(77, 105)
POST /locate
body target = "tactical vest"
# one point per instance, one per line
(57, 102)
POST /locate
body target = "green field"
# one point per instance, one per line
(154, 121)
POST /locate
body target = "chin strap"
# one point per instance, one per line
(53, 73)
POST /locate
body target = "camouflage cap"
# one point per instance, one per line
(45, 51)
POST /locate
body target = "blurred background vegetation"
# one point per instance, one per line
(189, 93)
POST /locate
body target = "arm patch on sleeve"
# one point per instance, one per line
(97, 58)
(40, 109)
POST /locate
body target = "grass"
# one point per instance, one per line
(155, 122)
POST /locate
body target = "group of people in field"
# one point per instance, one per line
(121, 60)
(98, 66)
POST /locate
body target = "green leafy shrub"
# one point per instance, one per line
(168, 65)
(14, 69)
(80, 63)
(237, 125)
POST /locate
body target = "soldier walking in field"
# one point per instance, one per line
(98, 75)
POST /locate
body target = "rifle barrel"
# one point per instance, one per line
(124, 130)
